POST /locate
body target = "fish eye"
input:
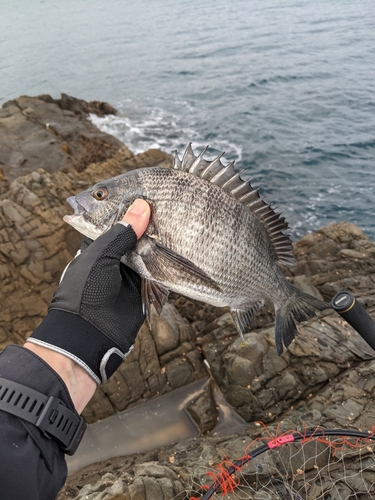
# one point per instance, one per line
(100, 193)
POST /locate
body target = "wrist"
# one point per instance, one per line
(70, 335)
(80, 384)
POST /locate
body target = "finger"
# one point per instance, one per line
(85, 242)
(138, 216)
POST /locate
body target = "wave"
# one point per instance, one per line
(162, 129)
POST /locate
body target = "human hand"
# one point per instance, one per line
(96, 311)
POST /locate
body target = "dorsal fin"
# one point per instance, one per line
(228, 179)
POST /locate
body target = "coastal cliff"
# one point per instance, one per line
(326, 377)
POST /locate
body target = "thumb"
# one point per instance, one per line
(138, 216)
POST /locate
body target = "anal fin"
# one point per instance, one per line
(242, 319)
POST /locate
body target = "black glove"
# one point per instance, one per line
(96, 312)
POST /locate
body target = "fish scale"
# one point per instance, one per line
(211, 237)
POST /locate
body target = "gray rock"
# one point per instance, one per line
(53, 134)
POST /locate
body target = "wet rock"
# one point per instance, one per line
(149, 480)
(112, 486)
(81, 107)
(4, 182)
(261, 386)
(345, 402)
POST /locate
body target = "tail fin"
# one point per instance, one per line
(299, 307)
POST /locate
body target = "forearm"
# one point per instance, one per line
(33, 466)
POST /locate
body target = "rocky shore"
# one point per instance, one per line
(327, 376)
(53, 134)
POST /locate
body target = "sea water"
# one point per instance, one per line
(285, 88)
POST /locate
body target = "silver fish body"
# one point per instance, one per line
(210, 238)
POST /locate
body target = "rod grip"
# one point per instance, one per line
(354, 313)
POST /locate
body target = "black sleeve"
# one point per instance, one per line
(32, 466)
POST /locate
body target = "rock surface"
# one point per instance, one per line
(53, 134)
(325, 378)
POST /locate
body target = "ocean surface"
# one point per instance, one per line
(285, 88)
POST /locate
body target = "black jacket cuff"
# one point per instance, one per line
(23, 366)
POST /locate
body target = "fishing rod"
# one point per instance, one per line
(354, 313)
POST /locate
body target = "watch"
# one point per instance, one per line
(47, 413)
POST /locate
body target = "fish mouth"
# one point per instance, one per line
(80, 219)
(79, 210)
(76, 206)
(77, 219)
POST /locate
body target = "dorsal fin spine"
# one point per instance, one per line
(262, 210)
(277, 222)
(279, 227)
(281, 246)
(279, 238)
(185, 159)
(238, 182)
(230, 180)
(238, 191)
(225, 177)
(258, 203)
(216, 178)
(270, 218)
(197, 161)
(215, 163)
(176, 161)
(249, 196)
(243, 187)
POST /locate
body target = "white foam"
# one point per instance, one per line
(161, 129)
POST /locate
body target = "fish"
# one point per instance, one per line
(211, 237)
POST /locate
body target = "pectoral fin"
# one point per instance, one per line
(155, 294)
(167, 266)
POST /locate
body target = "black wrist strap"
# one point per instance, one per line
(47, 413)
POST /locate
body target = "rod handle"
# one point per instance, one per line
(354, 313)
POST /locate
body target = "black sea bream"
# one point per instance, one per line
(211, 237)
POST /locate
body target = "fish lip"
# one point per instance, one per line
(79, 210)
(69, 218)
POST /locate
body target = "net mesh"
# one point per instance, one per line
(299, 465)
